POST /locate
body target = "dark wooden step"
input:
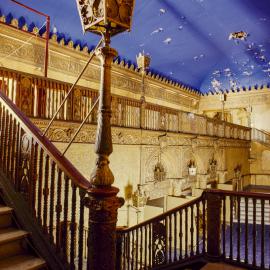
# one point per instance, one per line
(12, 242)
(22, 262)
(5, 217)
(10, 234)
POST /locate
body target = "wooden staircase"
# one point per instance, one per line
(16, 251)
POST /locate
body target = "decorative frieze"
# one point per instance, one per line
(64, 59)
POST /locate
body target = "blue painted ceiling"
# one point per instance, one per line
(188, 40)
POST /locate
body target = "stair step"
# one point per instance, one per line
(8, 235)
(5, 210)
(22, 262)
(5, 217)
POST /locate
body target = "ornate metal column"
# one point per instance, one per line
(106, 18)
(143, 62)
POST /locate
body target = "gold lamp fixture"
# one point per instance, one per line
(98, 15)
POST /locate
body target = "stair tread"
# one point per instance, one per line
(22, 262)
(11, 234)
(5, 209)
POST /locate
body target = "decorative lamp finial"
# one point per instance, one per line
(143, 61)
(97, 15)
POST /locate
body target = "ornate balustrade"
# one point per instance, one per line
(260, 136)
(40, 97)
(222, 225)
(54, 190)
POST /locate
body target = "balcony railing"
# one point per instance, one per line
(40, 97)
(260, 136)
(226, 226)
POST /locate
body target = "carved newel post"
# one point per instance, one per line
(103, 203)
(106, 18)
(214, 205)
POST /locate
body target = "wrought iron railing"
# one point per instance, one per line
(228, 226)
(40, 97)
(52, 186)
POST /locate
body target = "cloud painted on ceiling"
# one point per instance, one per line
(188, 40)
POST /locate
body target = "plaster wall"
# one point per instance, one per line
(135, 163)
(250, 108)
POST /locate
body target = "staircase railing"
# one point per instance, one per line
(52, 186)
(40, 97)
(233, 227)
(167, 239)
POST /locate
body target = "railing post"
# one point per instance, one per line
(119, 246)
(213, 225)
(102, 200)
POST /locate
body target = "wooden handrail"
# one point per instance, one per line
(193, 202)
(164, 215)
(63, 163)
(239, 194)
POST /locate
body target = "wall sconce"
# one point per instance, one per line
(192, 169)
(159, 172)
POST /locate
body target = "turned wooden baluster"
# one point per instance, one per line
(137, 249)
(13, 149)
(231, 227)
(145, 247)
(254, 232)
(186, 232)
(191, 231)
(262, 233)
(40, 183)
(58, 209)
(170, 238)
(46, 195)
(3, 121)
(10, 135)
(150, 245)
(6, 142)
(204, 225)
(65, 221)
(238, 228)
(52, 198)
(175, 237)
(141, 248)
(133, 251)
(128, 245)
(246, 229)
(18, 156)
(180, 235)
(224, 227)
(81, 229)
(73, 226)
(198, 229)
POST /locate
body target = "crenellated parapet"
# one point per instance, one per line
(67, 56)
